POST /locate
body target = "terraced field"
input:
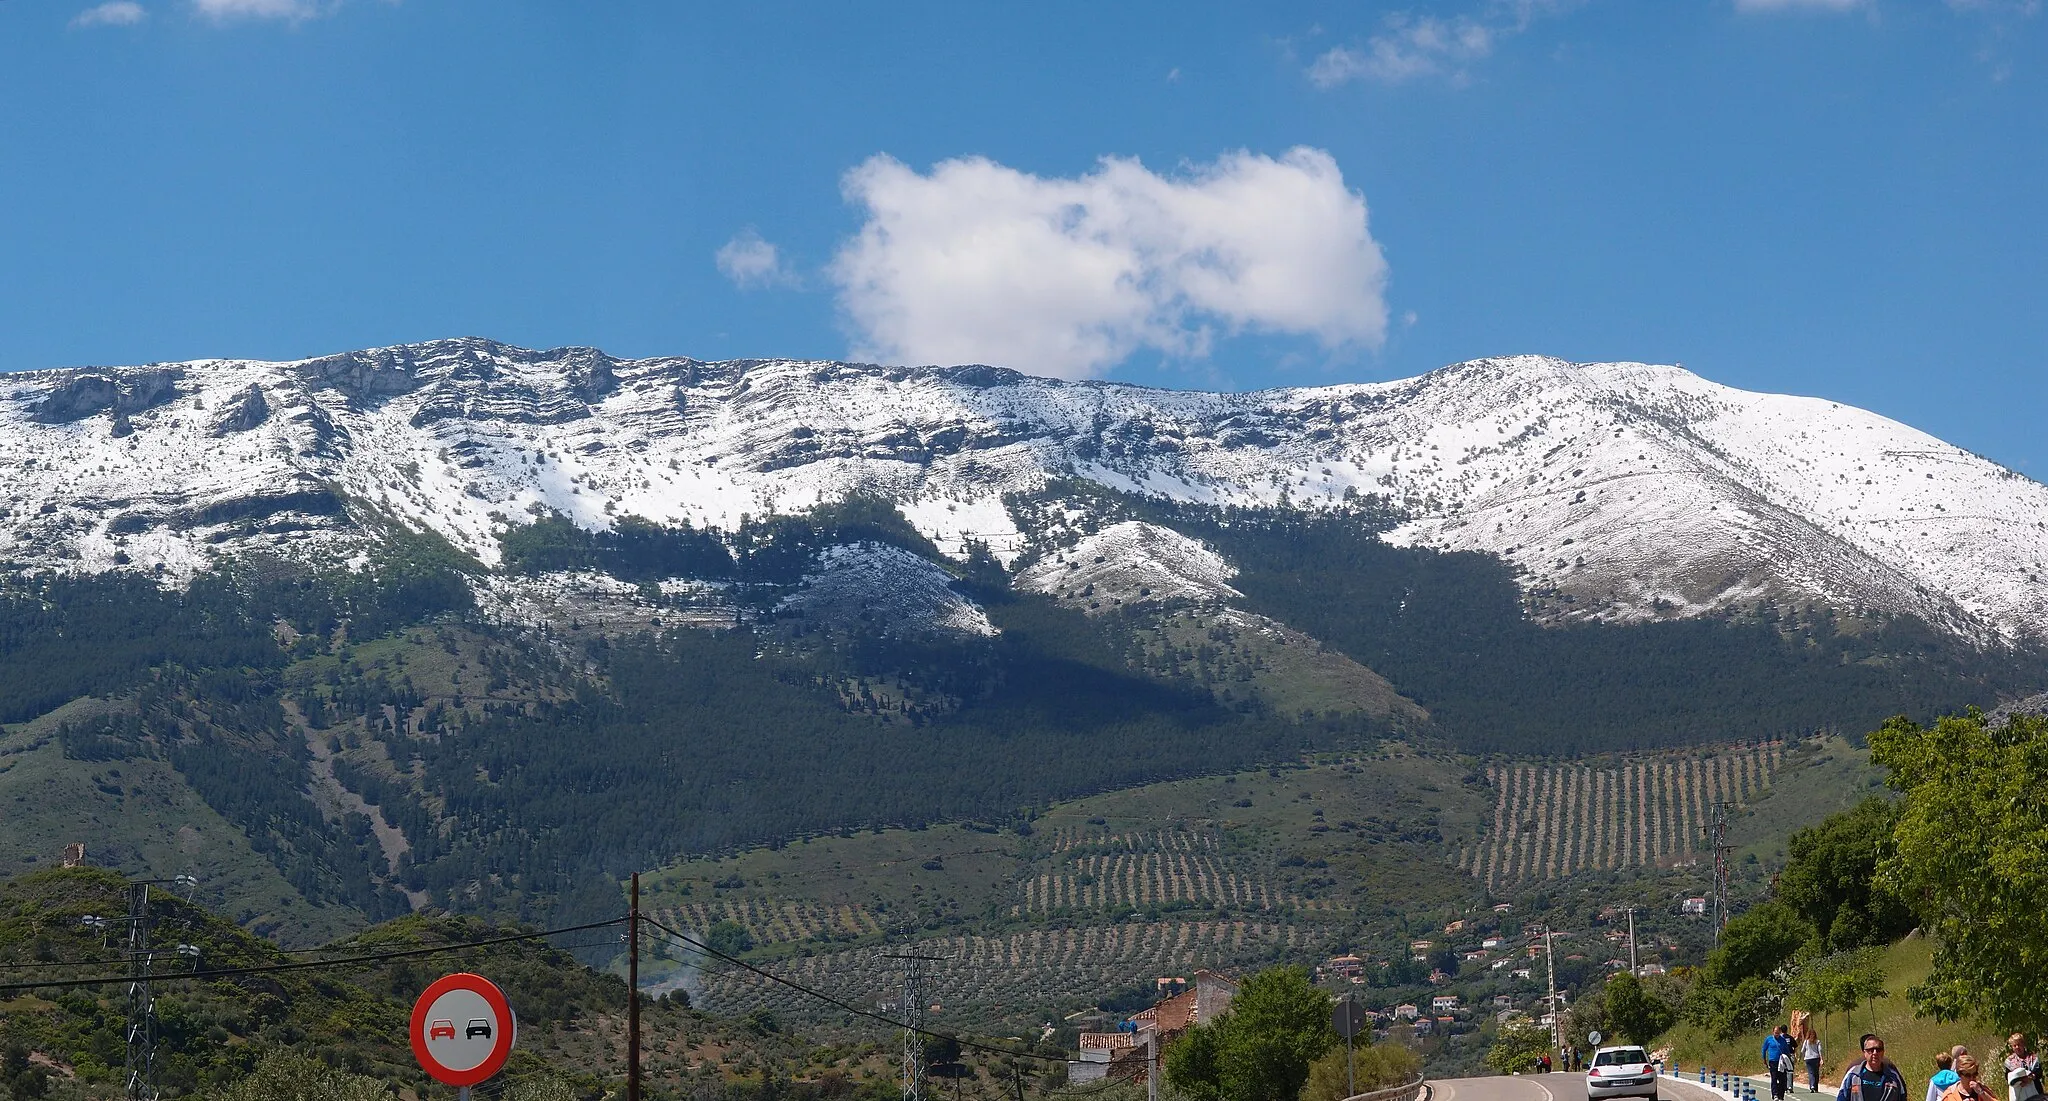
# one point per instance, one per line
(1041, 970)
(1136, 869)
(1554, 820)
(771, 921)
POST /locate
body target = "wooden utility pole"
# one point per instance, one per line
(633, 995)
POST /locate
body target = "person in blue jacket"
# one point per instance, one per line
(1874, 1077)
(1778, 1050)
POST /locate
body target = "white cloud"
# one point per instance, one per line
(1410, 47)
(113, 13)
(1798, 5)
(749, 261)
(224, 10)
(977, 262)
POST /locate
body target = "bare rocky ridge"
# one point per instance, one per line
(1638, 491)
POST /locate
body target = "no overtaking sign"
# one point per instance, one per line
(463, 1030)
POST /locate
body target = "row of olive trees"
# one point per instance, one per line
(1957, 854)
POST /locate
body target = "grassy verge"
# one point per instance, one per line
(1910, 1040)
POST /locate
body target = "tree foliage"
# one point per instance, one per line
(1637, 1012)
(1374, 1067)
(1278, 1024)
(1841, 981)
(1830, 879)
(1756, 943)
(1518, 1047)
(286, 1076)
(1972, 853)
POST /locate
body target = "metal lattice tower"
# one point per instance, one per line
(1717, 835)
(916, 989)
(140, 1068)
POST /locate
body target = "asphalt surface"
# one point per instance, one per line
(1562, 1086)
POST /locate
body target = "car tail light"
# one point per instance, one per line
(1595, 1072)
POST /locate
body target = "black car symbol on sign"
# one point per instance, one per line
(477, 1028)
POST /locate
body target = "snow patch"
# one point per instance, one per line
(886, 590)
(1132, 562)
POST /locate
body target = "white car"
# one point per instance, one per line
(1621, 1072)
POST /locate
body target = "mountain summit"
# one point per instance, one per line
(1620, 492)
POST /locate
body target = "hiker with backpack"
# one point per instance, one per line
(1873, 1077)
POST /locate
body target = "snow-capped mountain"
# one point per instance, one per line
(1641, 491)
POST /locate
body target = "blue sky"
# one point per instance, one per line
(1830, 197)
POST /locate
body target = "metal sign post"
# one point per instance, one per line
(1348, 1018)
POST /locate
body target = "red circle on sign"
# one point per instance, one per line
(503, 1030)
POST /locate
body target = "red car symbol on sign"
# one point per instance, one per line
(441, 1030)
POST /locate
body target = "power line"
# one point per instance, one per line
(14, 965)
(693, 943)
(309, 965)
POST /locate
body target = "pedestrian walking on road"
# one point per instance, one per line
(2022, 1069)
(1944, 1075)
(1778, 1048)
(1809, 1050)
(1872, 1078)
(1967, 1086)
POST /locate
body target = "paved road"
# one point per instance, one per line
(1547, 1087)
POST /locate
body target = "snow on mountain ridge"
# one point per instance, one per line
(1628, 490)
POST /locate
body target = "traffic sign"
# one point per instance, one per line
(1348, 1018)
(463, 1029)
(1593, 1038)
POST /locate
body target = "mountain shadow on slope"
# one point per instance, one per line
(1448, 629)
(705, 741)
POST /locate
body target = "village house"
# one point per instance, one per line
(1121, 1054)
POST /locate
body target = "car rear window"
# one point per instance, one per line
(1620, 1055)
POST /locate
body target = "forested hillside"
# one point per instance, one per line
(352, 1015)
(398, 731)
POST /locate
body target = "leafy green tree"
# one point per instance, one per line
(1636, 1012)
(545, 1087)
(1517, 1047)
(730, 937)
(289, 1077)
(1374, 1067)
(1969, 851)
(1756, 944)
(1194, 1064)
(1842, 981)
(1830, 878)
(1278, 1024)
